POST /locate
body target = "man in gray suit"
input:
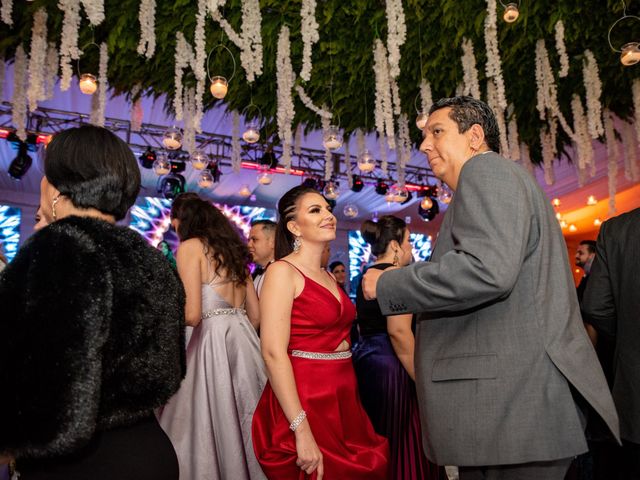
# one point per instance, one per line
(501, 350)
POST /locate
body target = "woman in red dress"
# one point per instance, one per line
(309, 421)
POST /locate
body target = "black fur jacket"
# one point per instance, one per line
(91, 336)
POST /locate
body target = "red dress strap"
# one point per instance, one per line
(289, 263)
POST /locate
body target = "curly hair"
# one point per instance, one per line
(200, 219)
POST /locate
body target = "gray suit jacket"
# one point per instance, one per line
(500, 339)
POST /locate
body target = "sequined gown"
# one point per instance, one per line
(209, 419)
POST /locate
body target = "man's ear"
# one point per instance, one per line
(476, 136)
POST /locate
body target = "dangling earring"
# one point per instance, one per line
(395, 258)
(297, 243)
(53, 208)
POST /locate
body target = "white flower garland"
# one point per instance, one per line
(309, 32)
(493, 68)
(632, 169)
(425, 96)
(5, 12)
(297, 142)
(635, 89)
(37, 59)
(328, 157)
(384, 103)
(360, 142)
(94, 10)
(2, 70)
(69, 43)
(97, 113)
(285, 79)
(384, 160)
(513, 139)
(546, 142)
(593, 87)
(137, 112)
(306, 100)
(492, 101)
(236, 158)
(471, 85)
(396, 36)
(347, 163)
(19, 100)
(189, 132)
(525, 158)
(147, 19)
(251, 54)
(183, 58)
(613, 155)
(51, 70)
(584, 149)
(395, 97)
(562, 50)
(199, 41)
(404, 150)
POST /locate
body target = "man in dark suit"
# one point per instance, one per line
(262, 242)
(585, 254)
(612, 305)
(500, 344)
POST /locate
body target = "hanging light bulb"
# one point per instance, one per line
(252, 133)
(366, 162)
(597, 222)
(426, 203)
(331, 190)
(421, 120)
(390, 196)
(172, 138)
(244, 191)
(630, 54)
(88, 84)
(511, 13)
(264, 177)
(161, 165)
(444, 193)
(400, 194)
(198, 160)
(573, 228)
(591, 200)
(219, 87)
(555, 202)
(332, 139)
(205, 180)
(350, 211)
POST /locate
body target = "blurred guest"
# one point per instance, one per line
(164, 247)
(209, 419)
(585, 254)
(261, 245)
(3, 260)
(326, 254)
(383, 359)
(339, 271)
(96, 322)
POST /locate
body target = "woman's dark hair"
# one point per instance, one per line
(200, 219)
(378, 235)
(333, 265)
(287, 212)
(93, 168)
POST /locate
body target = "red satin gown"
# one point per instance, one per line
(328, 391)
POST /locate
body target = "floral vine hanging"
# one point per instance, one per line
(562, 50)
(404, 150)
(69, 43)
(52, 64)
(5, 12)
(512, 137)
(236, 158)
(136, 112)
(384, 160)
(632, 169)
(593, 87)
(310, 105)
(309, 33)
(328, 170)
(285, 78)
(525, 158)
(395, 97)
(147, 19)
(492, 101)
(493, 68)
(183, 58)
(384, 103)
(635, 90)
(584, 150)
(471, 85)
(297, 141)
(425, 96)
(19, 100)
(94, 10)
(347, 163)
(613, 155)
(37, 59)
(396, 36)
(546, 141)
(189, 131)
(97, 112)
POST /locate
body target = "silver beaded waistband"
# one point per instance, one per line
(223, 311)
(321, 356)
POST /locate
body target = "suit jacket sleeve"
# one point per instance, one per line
(598, 305)
(490, 229)
(55, 296)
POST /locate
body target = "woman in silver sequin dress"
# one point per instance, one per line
(209, 419)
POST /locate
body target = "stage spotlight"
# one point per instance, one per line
(429, 213)
(171, 185)
(21, 164)
(357, 184)
(381, 187)
(269, 158)
(147, 158)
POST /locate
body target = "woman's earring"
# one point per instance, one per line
(53, 208)
(297, 243)
(395, 258)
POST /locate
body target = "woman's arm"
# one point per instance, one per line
(402, 340)
(188, 258)
(276, 300)
(251, 304)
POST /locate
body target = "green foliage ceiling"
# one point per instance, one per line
(343, 57)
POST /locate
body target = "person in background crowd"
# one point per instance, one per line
(326, 254)
(3, 260)
(164, 247)
(383, 360)
(209, 419)
(309, 419)
(41, 222)
(339, 271)
(95, 316)
(261, 247)
(585, 254)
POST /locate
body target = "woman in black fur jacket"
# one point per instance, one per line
(92, 327)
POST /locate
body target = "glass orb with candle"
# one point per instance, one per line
(421, 120)
(88, 84)
(511, 13)
(244, 191)
(219, 87)
(161, 165)
(350, 211)
(172, 138)
(198, 160)
(205, 180)
(331, 190)
(630, 54)
(252, 133)
(366, 162)
(332, 139)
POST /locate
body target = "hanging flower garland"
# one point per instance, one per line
(525, 158)
(395, 97)
(147, 19)
(635, 89)
(328, 157)
(51, 70)
(19, 100)
(384, 161)
(593, 87)
(425, 95)
(493, 68)
(199, 41)
(404, 150)
(236, 158)
(310, 105)
(37, 59)
(69, 43)
(513, 139)
(631, 167)
(360, 142)
(384, 103)
(309, 32)
(347, 163)
(492, 101)
(136, 112)
(5, 12)
(94, 10)
(251, 54)
(471, 85)
(297, 141)
(183, 58)
(396, 36)
(546, 141)
(584, 150)
(562, 50)
(189, 132)
(613, 155)
(285, 79)
(97, 112)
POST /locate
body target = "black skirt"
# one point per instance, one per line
(137, 452)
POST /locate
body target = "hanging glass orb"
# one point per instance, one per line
(350, 211)
(332, 139)
(366, 162)
(630, 54)
(172, 138)
(161, 165)
(444, 194)
(244, 191)
(331, 190)
(252, 133)
(88, 84)
(421, 120)
(511, 13)
(390, 196)
(205, 180)
(265, 178)
(219, 87)
(426, 203)
(401, 194)
(199, 160)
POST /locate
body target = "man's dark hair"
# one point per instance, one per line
(467, 111)
(591, 245)
(268, 226)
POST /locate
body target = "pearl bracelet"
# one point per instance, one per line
(298, 420)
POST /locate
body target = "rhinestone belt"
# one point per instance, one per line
(223, 311)
(321, 356)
